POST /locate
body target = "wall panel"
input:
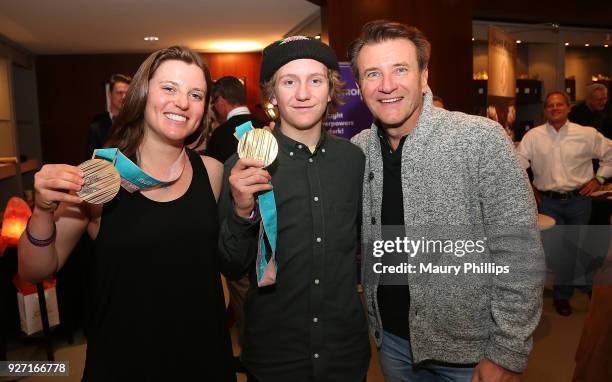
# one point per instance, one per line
(71, 92)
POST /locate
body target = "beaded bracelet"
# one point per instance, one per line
(37, 242)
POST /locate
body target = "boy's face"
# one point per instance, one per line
(301, 93)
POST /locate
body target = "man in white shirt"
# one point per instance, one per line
(560, 154)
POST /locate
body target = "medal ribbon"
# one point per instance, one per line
(265, 264)
(133, 178)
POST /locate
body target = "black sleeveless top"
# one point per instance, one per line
(158, 309)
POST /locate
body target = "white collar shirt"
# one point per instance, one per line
(562, 160)
(240, 110)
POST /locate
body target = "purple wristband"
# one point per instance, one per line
(40, 243)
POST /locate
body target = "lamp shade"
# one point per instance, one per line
(15, 219)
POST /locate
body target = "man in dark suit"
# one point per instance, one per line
(229, 105)
(594, 111)
(101, 123)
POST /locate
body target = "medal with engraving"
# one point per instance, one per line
(102, 181)
(258, 144)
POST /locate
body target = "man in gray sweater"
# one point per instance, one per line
(465, 312)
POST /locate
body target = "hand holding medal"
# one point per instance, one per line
(56, 183)
(96, 181)
(259, 145)
(256, 149)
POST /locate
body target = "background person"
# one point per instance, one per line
(594, 111)
(560, 155)
(100, 125)
(228, 102)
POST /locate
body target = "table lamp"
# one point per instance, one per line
(14, 222)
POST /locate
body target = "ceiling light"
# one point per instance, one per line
(473, 39)
(151, 38)
(605, 45)
(318, 37)
(518, 41)
(567, 44)
(586, 44)
(236, 46)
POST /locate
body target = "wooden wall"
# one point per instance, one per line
(71, 92)
(241, 65)
(446, 23)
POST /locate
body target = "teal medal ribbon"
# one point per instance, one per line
(133, 178)
(266, 266)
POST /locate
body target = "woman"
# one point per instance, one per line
(158, 309)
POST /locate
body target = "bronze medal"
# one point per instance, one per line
(102, 181)
(258, 144)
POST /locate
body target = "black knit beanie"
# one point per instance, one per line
(292, 48)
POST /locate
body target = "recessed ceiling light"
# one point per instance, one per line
(519, 41)
(586, 45)
(151, 38)
(567, 44)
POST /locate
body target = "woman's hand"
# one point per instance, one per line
(56, 183)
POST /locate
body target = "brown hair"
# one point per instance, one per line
(128, 129)
(118, 77)
(231, 89)
(557, 92)
(336, 90)
(382, 30)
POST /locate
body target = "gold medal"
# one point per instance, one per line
(258, 144)
(102, 181)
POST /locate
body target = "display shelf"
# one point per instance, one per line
(8, 170)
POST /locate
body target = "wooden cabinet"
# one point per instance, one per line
(527, 92)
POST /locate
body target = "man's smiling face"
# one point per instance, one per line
(391, 82)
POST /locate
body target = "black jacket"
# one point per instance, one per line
(222, 143)
(98, 132)
(602, 121)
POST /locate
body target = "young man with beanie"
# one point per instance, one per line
(444, 175)
(309, 325)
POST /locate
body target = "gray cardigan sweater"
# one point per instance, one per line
(461, 171)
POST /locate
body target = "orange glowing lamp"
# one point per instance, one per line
(14, 222)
